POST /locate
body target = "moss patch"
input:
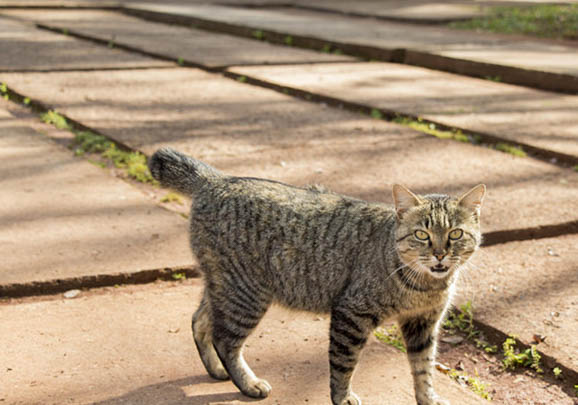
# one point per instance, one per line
(134, 164)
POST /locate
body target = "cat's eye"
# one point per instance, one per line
(456, 234)
(421, 235)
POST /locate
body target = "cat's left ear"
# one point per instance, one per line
(472, 200)
(404, 199)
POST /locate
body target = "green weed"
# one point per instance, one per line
(289, 40)
(3, 88)
(513, 358)
(461, 320)
(242, 79)
(172, 197)
(54, 118)
(512, 150)
(391, 336)
(459, 136)
(65, 31)
(88, 142)
(326, 48)
(179, 276)
(576, 168)
(375, 113)
(180, 61)
(26, 101)
(102, 165)
(497, 79)
(258, 34)
(557, 373)
(337, 51)
(478, 387)
(545, 20)
(431, 129)
(133, 163)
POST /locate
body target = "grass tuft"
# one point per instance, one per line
(513, 358)
(375, 113)
(133, 163)
(391, 336)
(53, 118)
(512, 150)
(258, 34)
(544, 20)
(476, 385)
(172, 197)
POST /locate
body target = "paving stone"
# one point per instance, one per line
(202, 47)
(528, 288)
(538, 118)
(534, 54)
(245, 130)
(26, 48)
(134, 346)
(421, 11)
(63, 217)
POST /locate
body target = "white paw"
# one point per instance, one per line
(433, 400)
(258, 389)
(440, 401)
(352, 399)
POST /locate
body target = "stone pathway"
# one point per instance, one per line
(63, 217)
(135, 92)
(133, 345)
(541, 119)
(518, 61)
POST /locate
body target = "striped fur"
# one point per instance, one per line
(261, 242)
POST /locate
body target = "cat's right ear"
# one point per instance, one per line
(404, 199)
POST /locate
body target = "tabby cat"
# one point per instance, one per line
(261, 242)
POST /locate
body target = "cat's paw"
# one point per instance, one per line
(352, 399)
(433, 400)
(440, 401)
(257, 389)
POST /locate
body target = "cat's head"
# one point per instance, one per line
(436, 233)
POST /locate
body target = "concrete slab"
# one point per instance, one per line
(245, 130)
(134, 346)
(542, 119)
(207, 49)
(25, 48)
(411, 11)
(548, 56)
(529, 288)
(62, 217)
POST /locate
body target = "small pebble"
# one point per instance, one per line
(454, 340)
(71, 294)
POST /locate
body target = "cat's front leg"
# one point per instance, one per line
(348, 334)
(420, 335)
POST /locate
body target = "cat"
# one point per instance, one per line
(261, 241)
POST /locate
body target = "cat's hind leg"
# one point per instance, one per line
(236, 311)
(203, 335)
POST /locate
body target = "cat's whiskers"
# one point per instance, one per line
(398, 269)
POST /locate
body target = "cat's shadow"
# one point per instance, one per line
(179, 392)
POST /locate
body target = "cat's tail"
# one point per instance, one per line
(180, 172)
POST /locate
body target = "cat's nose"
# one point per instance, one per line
(439, 254)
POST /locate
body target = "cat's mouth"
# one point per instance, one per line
(439, 268)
